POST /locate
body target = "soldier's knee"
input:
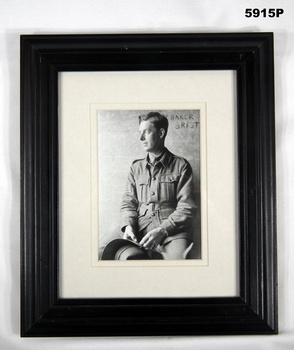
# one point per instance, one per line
(177, 249)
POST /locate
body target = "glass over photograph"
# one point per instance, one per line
(148, 184)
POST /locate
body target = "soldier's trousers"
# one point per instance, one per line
(175, 249)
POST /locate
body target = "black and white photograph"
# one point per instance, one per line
(149, 197)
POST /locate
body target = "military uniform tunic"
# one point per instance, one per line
(160, 195)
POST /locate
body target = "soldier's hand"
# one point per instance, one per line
(130, 234)
(153, 238)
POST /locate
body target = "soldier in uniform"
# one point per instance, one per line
(158, 205)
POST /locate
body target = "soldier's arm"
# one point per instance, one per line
(129, 205)
(186, 207)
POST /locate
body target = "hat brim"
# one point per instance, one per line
(111, 249)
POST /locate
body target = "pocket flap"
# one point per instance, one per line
(169, 177)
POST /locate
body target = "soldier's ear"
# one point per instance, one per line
(161, 133)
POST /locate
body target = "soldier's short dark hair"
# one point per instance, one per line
(159, 120)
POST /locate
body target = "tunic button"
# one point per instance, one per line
(154, 178)
(153, 214)
(152, 193)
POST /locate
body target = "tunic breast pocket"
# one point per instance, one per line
(142, 190)
(168, 187)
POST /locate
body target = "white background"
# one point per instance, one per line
(135, 16)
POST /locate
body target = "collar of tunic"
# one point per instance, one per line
(164, 159)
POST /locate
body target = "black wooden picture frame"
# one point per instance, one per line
(43, 312)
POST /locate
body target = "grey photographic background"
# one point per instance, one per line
(119, 145)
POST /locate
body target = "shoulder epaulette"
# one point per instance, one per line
(137, 160)
(181, 158)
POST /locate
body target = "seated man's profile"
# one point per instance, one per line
(158, 205)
